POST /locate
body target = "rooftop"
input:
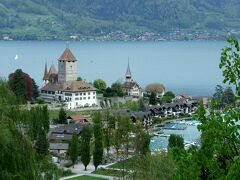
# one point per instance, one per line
(69, 86)
(67, 55)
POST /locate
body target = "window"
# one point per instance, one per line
(84, 98)
(76, 98)
(89, 93)
(80, 98)
(76, 94)
(94, 93)
(80, 94)
(94, 97)
(88, 97)
(84, 94)
(68, 94)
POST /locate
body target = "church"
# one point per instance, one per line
(131, 87)
(62, 85)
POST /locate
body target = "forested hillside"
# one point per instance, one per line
(49, 19)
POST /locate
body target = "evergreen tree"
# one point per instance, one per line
(124, 128)
(144, 143)
(42, 144)
(62, 117)
(85, 145)
(142, 105)
(73, 148)
(35, 89)
(228, 96)
(153, 98)
(45, 118)
(98, 140)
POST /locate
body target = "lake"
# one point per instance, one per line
(188, 66)
(190, 134)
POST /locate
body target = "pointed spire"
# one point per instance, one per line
(52, 70)
(128, 73)
(45, 77)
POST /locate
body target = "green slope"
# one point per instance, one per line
(49, 19)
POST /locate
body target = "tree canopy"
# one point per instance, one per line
(100, 85)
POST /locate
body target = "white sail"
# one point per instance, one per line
(16, 57)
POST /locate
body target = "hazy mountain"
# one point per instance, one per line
(61, 18)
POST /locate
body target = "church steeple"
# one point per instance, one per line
(45, 77)
(128, 73)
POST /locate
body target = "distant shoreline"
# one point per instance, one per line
(60, 40)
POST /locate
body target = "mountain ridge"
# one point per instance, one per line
(53, 19)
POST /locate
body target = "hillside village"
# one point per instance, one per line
(63, 87)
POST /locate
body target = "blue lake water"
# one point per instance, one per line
(190, 67)
(190, 134)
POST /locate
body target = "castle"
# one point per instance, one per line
(62, 85)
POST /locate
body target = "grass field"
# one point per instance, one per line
(53, 114)
(127, 164)
(87, 178)
(105, 172)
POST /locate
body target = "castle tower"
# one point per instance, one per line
(67, 67)
(45, 77)
(128, 74)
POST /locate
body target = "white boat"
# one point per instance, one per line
(16, 57)
(164, 135)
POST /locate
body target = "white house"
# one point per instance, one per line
(63, 85)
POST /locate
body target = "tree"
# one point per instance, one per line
(79, 78)
(35, 89)
(85, 145)
(218, 156)
(100, 85)
(98, 140)
(230, 63)
(117, 89)
(142, 106)
(218, 95)
(62, 117)
(45, 119)
(42, 144)
(153, 98)
(158, 167)
(73, 148)
(168, 96)
(143, 142)
(124, 129)
(18, 84)
(175, 141)
(18, 159)
(109, 125)
(228, 96)
(22, 85)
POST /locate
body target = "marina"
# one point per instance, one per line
(186, 128)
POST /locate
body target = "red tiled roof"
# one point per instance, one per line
(67, 56)
(79, 117)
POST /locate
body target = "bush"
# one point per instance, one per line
(68, 164)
